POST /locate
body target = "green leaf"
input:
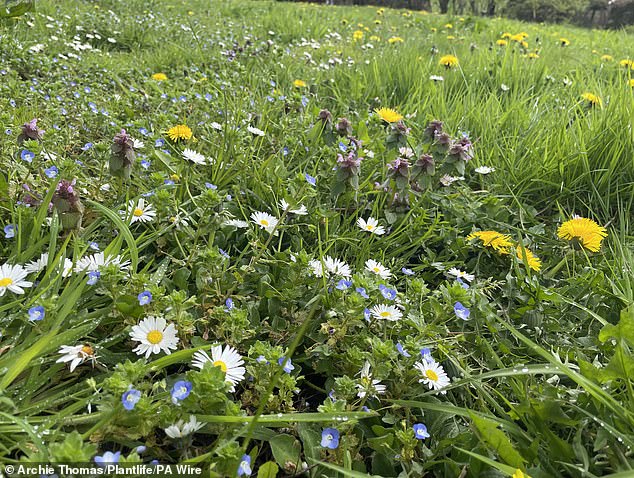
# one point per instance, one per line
(498, 466)
(268, 470)
(497, 440)
(343, 471)
(623, 330)
(287, 451)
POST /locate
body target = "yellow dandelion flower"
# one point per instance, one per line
(451, 37)
(448, 61)
(448, 26)
(531, 261)
(357, 35)
(393, 40)
(180, 131)
(434, 30)
(523, 34)
(564, 41)
(159, 76)
(506, 35)
(389, 115)
(501, 42)
(299, 83)
(344, 22)
(497, 241)
(592, 99)
(584, 232)
(532, 56)
(524, 44)
(517, 38)
(377, 22)
(375, 38)
(520, 474)
(627, 63)
(631, 82)
(607, 58)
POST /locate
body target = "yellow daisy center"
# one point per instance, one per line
(6, 282)
(264, 222)
(154, 336)
(137, 212)
(431, 375)
(376, 270)
(385, 313)
(369, 227)
(221, 364)
(87, 350)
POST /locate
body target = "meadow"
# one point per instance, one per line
(282, 239)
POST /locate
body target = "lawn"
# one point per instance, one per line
(282, 239)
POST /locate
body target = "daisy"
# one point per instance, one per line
(76, 355)
(194, 157)
(461, 274)
(264, 220)
(216, 126)
(368, 385)
(386, 312)
(181, 429)
(255, 131)
(302, 211)
(229, 361)
(371, 225)
(137, 143)
(434, 376)
(37, 265)
(140, 211)
(334, 267)
(96, 261)
(377, 268)
(436, 78)
(12, 278)
(484, 170)
(584, 232)
(236, 223)
(154, 335)
(179, 132)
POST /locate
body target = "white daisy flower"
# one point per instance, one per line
(236, 223)
(96, 261)
(461, 274)
(436, 78)
(371, 225)
(377, 268)
(406, 152)
(264, 220)
(386, 312)
(255, 131)
(76, 355)
(137, 143)
(140, 211)
(12, 278)
(229, 361)
(155, 335)
(334, 267)
(368, 385)
(434, 375)
(182, 429)
(302, 211)
(216, 126)
(194, 157)
(37, 265)
(447, 180)
(484, 170)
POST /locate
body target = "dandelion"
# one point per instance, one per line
(592, 99)
(357, 35)
(627, 63)
(12, 278)
(179, 132)
(140, 211)
(36, 313)
(194, 157)
(388, 115)
(530, 259)
(265, 221)
(607, 58)
(330, 438)
(501, 42)
(181, 390)
(227, 359)
(434, 375)
(631, 82)
(498, 242)
(461, 274)
(76, 355)
(299, 84)
(420, 431)
(182, 429)
(371, 225)
(154, 335)
(130, 398)
(584, 232)
(369, 386)
(564, 42)
(245, 466)
(394, 40)
(159, 77)
(448, 61)
(519, 474)
(386, 312)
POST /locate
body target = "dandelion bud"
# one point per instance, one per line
(122, 157)
(30, 131)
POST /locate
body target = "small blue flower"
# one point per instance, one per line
(342, 147)
(87, 146)
(367, 314)
(141, 449)
(145, 297)
(285, 151)
(27, 155)
(365, 409)
(145, 163)
(130, 398)
(462, 283)
(8, 132)
(304, 101)
(168, 182)
(286, 363)
(108, 458)
(461, 311)
(229, 304)
(331, 395)
(388, 293)
(93, 277)
(311, 180)
(245, 466)
(143, 131)
(420, 431)
(208, 96)
(213, 187)
(330, 438)
(36, 313)
(362, 292)
(9, 231)
(401, 350)
(181, 390)
(159, 143)
(224, 254)
(51, 172)
(425, 353)
(261, 359)
(343, 284)
(408, 272)
(94, 246)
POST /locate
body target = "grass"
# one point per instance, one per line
(540, 373)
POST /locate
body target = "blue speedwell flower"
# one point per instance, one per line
(388, 293)
(286, 363)
(401, 350)
(108, 458)
(311, 180)
(461, 311)
(93, 277)
(408, 272)
(363, 293)
(51, 172)
(229, 304)
(330, 438)
(27, 155)
(245, 466)
(420, 431)
(145, 297)
(130, 398)
(181, 390)
(9, 231)
(344, 284)
(36, 313)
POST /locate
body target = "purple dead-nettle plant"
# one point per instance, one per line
(123, 156)
(68, 205)
(30, 131)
